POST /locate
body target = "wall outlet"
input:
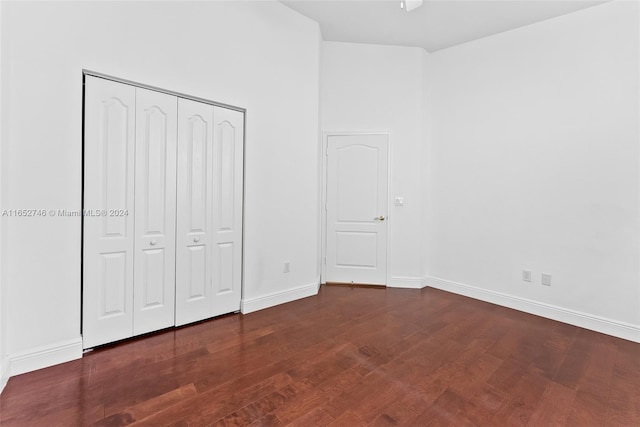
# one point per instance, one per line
(287, 266)
(546, 279)
(526, 275)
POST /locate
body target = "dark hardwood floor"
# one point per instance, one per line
(348, 357)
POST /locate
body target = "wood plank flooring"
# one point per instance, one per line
(348, 357)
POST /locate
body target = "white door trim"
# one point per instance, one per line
(323, 204)
(86, 72)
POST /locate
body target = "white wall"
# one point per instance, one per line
(257, 55)
(535, 165)
(379, 88)
(427, 143)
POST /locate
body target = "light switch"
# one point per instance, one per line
(399, 201)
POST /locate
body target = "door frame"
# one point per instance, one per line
(323, 196)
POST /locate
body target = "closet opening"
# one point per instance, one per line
(162, 201)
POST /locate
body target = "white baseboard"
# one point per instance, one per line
(4, 373)
(250, 305)
(584, 320)
(45, 356)
(406, 282)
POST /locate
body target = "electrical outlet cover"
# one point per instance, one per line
(546, 279)
(526, 275)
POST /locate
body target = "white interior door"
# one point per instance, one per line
(109, 195)
(227, 212)
(357, 184)
(194, 244)
(155, 207)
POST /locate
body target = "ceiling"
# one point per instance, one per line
(437, 24)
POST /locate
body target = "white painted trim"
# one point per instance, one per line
(4, 373)
(638, 121)
(406, 282)
(249, 305)
(584, 320)
(45, 356)
(4, 362)
(323, 204)
(96, 74)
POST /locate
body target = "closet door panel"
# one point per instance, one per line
(155, 201)
(108, 237)
(227, 201)
(194, 211)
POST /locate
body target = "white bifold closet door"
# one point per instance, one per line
(154, 211)
(154, 258)
(209, 215)
(109, 156)
(129, 222)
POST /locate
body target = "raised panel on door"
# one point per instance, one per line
(228, 143)
(194, 212)
(108, 234)
(155, 206)
(356, 208)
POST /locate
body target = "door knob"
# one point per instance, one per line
(196, 239)
(379, 218)
(153, 243)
